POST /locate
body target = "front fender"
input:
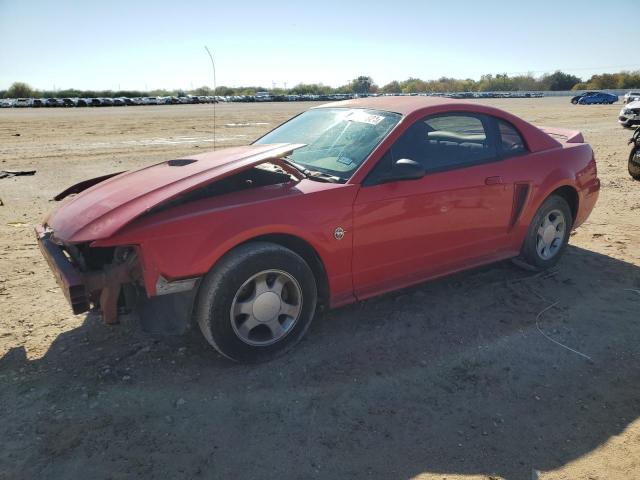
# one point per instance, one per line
(187, 241)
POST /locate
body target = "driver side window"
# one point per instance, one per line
(441, 142)
(446, 141)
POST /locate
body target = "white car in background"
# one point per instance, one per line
(23, 102)
(630, 114)
(631, 96)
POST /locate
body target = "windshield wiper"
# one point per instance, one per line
(295, 165)
(312, 174)
(322, 177)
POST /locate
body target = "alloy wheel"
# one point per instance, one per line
(550, 235)
(266, 307)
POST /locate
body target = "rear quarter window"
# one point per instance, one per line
(512, 142)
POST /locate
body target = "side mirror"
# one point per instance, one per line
(405, 169)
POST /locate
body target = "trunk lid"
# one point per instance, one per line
(563, 135)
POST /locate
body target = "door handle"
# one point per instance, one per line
(493, 181)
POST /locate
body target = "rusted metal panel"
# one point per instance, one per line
(80, 287)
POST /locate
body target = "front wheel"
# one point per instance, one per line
(257, 302)
(634, 163)
(548, 234)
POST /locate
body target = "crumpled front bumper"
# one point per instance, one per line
(83, 289)
(69, 278)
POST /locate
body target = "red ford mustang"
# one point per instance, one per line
(345, 201)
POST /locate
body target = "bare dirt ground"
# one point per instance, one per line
(449, 379)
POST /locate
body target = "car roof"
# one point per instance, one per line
(402, 105)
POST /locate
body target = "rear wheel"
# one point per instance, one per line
(634, 163)
(257, 302)
(548, 234)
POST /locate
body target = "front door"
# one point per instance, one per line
(457, 214)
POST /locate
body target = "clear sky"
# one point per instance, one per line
(160, 44)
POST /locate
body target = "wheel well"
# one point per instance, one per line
(571, 196)
(309, 255)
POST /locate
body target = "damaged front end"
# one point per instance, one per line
(101, 266)
(91, 281)
(109, 281)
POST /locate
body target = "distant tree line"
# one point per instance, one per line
(364, 84)
(556, 81)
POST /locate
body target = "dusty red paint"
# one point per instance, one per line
(106, 207)
(397, 233)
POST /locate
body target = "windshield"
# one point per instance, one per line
(337, 140)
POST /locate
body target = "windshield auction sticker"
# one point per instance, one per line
(364, 117)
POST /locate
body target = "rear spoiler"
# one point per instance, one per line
(564, 135)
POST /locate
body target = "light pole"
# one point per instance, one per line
(215, 100)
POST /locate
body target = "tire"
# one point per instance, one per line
(247, 326)
(634, 163)
(553, 208)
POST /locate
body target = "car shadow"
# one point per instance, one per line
(452, 377)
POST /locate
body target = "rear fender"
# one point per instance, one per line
(557, 179)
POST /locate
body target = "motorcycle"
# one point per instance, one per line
(634, 156)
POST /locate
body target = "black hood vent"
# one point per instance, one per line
(180, 162)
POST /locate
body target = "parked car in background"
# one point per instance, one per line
(6, 103)
(341, 203)
(630, 114)
(52, 102)
(23, 102)
(82, 102)
(106, 102)
(95, 102)
(69, 102)
(150, 100)
(575, 99)
(119, 102)
(598, 98)
(631, 96)
(263, 97)
(38, 103)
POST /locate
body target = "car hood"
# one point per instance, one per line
(114, 201)
(634, 104)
